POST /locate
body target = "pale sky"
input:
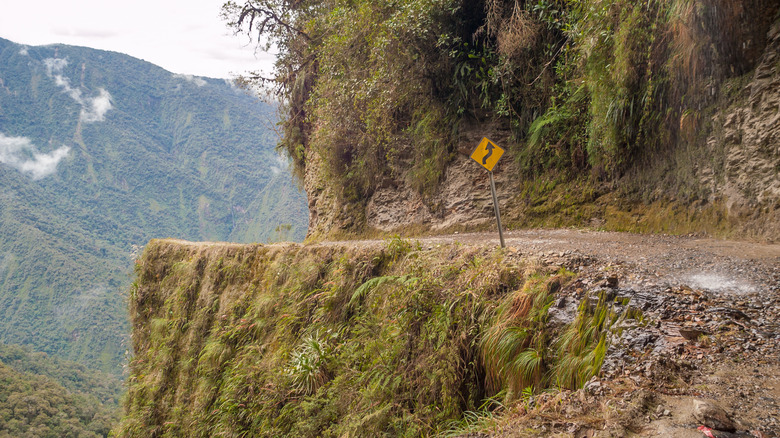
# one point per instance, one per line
(182, 36)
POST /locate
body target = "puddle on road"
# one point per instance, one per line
(719, 283)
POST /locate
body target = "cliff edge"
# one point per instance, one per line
(563, 332)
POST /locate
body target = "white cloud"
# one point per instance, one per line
(92, 109)
(95, 109)
(21, 154)
(190, 78)
(281, 165)
(23, 51)
(54, 65)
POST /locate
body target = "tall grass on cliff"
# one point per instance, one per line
(334, 341)
(514, 347)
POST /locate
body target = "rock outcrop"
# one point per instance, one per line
(745, 142)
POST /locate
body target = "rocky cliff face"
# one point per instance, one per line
(746, 141)
(463, 200)
(728, 152)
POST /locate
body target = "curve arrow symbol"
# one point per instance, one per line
(489, 149)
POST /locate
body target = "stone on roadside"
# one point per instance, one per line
(711, 415)
(692, 334)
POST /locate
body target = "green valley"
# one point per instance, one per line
(99, 152)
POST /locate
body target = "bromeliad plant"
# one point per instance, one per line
(308, 367)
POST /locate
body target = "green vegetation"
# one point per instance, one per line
(581, 348)
(190, 158)
(522, 355)
(44, 397)
(591, 90)
(73, 376)
(514, 348)
(334, 341)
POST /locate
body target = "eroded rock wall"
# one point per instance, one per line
(462, 200)
(746, 143)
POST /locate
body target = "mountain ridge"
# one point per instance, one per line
(100, 152)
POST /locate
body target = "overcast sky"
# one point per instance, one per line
(182, 36)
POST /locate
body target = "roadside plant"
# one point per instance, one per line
(513, 347)
(582, 346)
(308, 367)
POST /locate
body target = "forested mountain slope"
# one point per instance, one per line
(42, 396)
(99, 152)
(655, 116)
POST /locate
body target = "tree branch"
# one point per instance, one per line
(269, 15)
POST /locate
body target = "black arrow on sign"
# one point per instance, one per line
(489, 149)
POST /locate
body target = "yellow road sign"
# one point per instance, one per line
(487, 154)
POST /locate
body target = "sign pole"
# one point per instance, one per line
(495, 206)
(487, 154)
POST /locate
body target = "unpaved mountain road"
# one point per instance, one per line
(648, 259)
(651, 259)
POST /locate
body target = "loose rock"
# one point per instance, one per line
(712, 415)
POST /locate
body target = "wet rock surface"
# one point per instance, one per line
(745, 142)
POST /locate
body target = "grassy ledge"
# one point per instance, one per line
(252, 340)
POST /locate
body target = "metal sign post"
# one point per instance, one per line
(487, 154)
(495, 207)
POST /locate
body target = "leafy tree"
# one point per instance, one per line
(32, 405)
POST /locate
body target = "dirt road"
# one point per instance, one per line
(710, 264)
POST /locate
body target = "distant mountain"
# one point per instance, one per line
(100, 152)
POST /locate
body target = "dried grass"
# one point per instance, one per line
(521, 306)
(512, 27)
(518, 33)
